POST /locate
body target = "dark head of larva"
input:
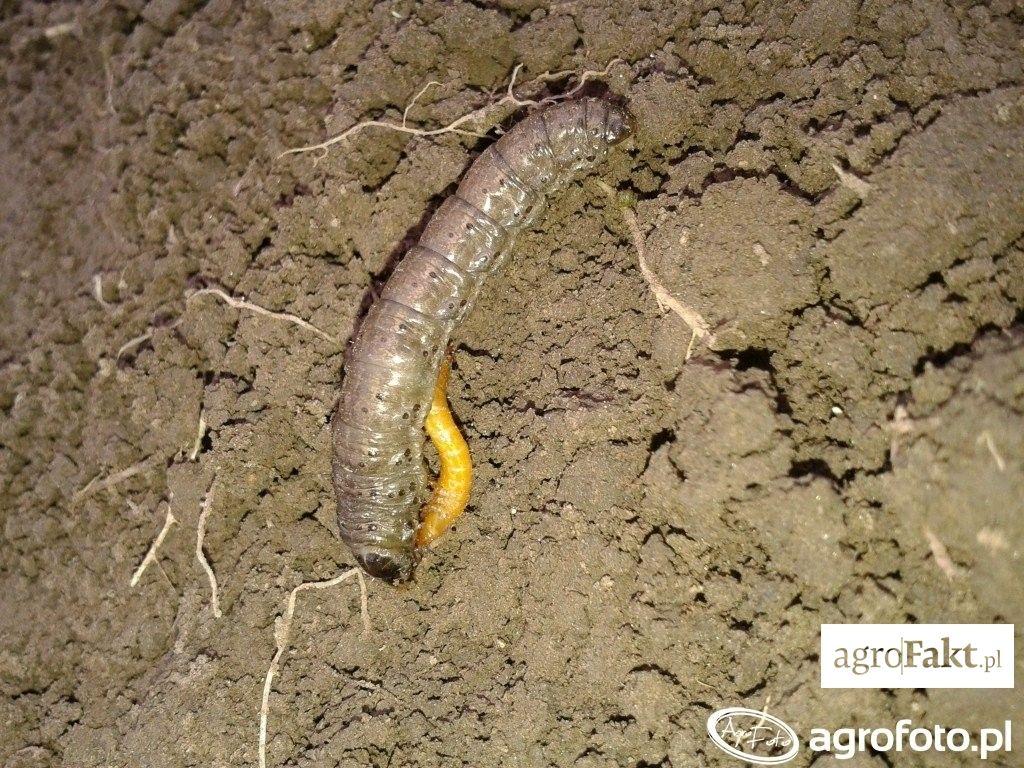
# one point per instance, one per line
(387, 564)
(619, 125)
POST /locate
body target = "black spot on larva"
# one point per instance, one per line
(377, 515)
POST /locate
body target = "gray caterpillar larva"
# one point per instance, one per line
(392, 365)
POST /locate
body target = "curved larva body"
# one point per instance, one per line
(392, 366)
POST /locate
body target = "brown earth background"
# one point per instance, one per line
(835, 186)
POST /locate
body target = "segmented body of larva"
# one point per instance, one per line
(392, 365)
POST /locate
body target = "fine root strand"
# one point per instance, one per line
(201, 556)
(100, 483)
(60, 30)
(985, 438)
(108, 80)
(412, 102)
(131, 344)
(282, 630)
(238, 303)
(941, 554)
(141, 339)
(150, 557)
(852, 181)
(584, 76)
(97, 292)
(197, 446)
(666, 301)
(456, 125)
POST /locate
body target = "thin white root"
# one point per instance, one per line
(238, 303)
(412, 102)
(993, 540)
(852, 181)
(455, 126)
(151, 554)
(108, 79)
(764, 711)
(941, 554)
(142, 338)
(584, 76)
(131, 344)
(900, 424)
(201, 556)
(60, 30)
(282, 629)
(986, 438)
(96, 484)
(200, 434)
(97, 292)
(690, 346)
(364, 609)
(666, 301)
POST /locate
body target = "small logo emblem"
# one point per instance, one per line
(753, 736)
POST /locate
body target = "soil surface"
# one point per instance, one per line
(836, 187)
